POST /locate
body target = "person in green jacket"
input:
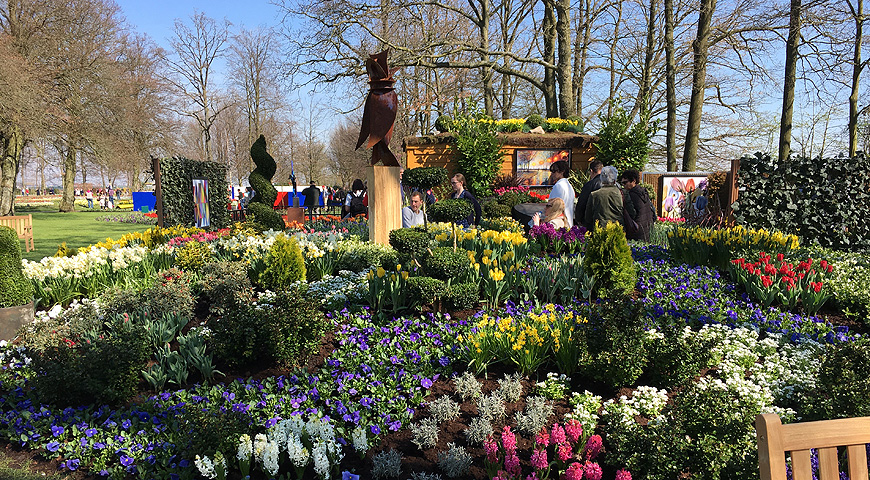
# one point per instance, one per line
(605, 204)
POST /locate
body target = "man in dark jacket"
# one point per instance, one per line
(593, 184)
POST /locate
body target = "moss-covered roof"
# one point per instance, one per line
(527, 140)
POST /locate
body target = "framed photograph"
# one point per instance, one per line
(533, 166)
(675, 190)
(200, 202)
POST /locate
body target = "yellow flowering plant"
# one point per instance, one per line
(387, 289)
(526, 339)
(716, 248)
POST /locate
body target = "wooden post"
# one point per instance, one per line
(385, 202)
(158, 191)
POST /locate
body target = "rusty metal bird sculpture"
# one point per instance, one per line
(379, 113)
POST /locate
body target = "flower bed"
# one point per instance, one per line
(692, 357)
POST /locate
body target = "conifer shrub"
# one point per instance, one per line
(266, 216)
(445, 264)
(615, 354)
(608, 259)
(192, 256)
(284, 264)
(15, 288)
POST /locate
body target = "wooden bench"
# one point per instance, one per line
(775, 439)
(23, 226)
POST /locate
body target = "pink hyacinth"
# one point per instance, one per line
(501, 475)
(508, 440)
(574, 430)
(574, 472)
(491, 448)
(543, 437)
(512, 465)
(623, 474)
(565, 452)
(592, 471)
(557, 435)
(539, 459)
(533, 476)
(594, 447)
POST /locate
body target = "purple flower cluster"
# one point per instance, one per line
(559, 241)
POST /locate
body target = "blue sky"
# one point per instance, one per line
(157, 17)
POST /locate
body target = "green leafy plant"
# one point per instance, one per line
(424, 290)
(224, 285)
(608, 260)
(285, 264)
(99, 366)
(283, 327)
(265, 216)
(446, 264)
(261, 181)
(493, 209)
(176, 183)
(444, 123)
(192, 256)
(622, 143)
(822, 200)
(478, 152)
(451, 211)
(169, 293)
(462, 296)
(614, 339)
(676, 356)
(534, 121)
(844, 381)
(15, 288)
(411, 241)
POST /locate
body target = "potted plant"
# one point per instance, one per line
(16, 291)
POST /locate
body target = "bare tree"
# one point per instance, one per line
(191, 64)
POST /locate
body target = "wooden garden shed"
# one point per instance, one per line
(436, 151)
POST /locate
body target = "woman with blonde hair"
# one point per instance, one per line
(554, 214)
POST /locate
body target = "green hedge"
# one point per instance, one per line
(823, 200)
(176, 182)
(15, 289)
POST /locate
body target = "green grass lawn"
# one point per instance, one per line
(9, 470)
(77, 229)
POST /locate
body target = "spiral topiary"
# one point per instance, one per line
(261, 182)
(15, 289)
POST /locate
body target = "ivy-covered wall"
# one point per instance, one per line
(176, 182)
(823, 200)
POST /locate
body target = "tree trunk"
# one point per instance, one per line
(563, 32)
(12, 143)
(644, 96)
(791, 54)
(549, 31)
(671, 88)
(581, 52)
(856, 77)
(67, 201)
(699, 82)
(486, 72)
(613, 44)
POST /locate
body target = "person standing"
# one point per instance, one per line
(89, 195)
(605, 204)
(562, 188)
(412, 215)
(356, 202)
(639, 206)
(459, 191)
(592, 185)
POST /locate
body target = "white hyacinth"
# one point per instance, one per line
(246, 448)
(205, 466)
(296, 452)
(270, 458)
(321, 461)
(360, 442)
(260, 442)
